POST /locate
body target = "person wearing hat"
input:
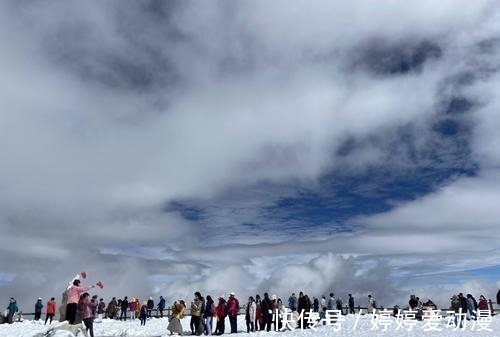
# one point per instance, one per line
(12, 309)
(220, 316)
(38, 309)
(233, 307)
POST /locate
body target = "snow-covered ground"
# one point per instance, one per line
(353, 326)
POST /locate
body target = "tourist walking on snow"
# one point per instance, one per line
(51, 310)
(87, 314)
(351, 304)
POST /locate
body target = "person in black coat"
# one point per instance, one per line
(498, 297)
(463, 303)
(267, 312)
(351, 304)
(150, 305)
(124, 307)
(302, 308)
(413, 303)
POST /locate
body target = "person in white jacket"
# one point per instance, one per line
(250, 314)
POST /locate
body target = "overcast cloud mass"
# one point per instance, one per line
(250, 146)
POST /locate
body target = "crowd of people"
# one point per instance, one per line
(208, 316)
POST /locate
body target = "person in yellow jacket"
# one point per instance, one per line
(175, 326)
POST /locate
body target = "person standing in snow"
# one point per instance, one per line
(143, 314)
(87, 314)
(74, 292)
(112, 309)
(195, 315)
(175, 326)
(292, 302)
(101, 309)
(200, 329)
(330, 305)
(250, 314)
(233, 307)
(38, 309)
(11, 310)
(267, 312)
(51, 310)
(150, 306)
(124, 307)
(483, 303)
(209, 315)
(371, 304)
(220, 314)
(161, 306)
(351, 304)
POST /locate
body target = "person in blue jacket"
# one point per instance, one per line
(12, 307)
(38, 309)
(161, 306)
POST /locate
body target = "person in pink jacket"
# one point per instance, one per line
(87, 314)
(74, 292)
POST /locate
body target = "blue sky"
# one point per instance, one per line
(169, 147)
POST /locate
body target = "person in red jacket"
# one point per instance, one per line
(233, 307)
(220, 314)
(51, 310)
